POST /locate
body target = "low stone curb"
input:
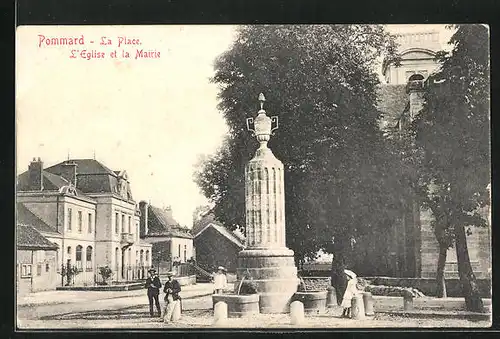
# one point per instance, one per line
(437, 314)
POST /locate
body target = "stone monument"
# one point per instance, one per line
(266, 259)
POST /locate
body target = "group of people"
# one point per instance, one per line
(172, 298)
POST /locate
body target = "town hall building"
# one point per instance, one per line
(87, 211)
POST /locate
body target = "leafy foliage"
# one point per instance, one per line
(452, 130)
(319, 80)
(105, 273)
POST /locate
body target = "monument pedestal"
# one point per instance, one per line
(274, 273)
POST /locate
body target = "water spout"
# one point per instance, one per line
(239, 287)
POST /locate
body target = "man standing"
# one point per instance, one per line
(153, 284)
(172, 297)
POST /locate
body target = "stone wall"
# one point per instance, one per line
(478, 242)
(428, 286)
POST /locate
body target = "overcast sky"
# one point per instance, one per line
(151, 117)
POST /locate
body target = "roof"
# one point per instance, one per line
(26, 217)
(27, 237)
(51, 182)
(162, 223)
(206, 219)
(84, 166)
(93, 176)
(224, 232)
(392, 100)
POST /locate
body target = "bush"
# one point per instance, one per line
(246, 287)
(313, 284)
(393, 291)
(105, 273)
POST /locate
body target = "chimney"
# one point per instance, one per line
(68, 171)
(168, 211)
(35, 170)
(143, 225)
(415, 88)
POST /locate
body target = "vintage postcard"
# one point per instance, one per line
(253, 176)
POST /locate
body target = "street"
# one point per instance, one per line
(129, 309)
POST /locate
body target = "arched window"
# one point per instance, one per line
(88, 259)
(147, 257)
(78, 259)
(142, 258)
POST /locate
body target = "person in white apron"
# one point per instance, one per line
(220, 280)
(349, 293)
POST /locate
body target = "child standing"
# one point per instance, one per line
(220, 280)
(349, 293)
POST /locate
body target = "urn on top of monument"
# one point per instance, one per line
(262, 125)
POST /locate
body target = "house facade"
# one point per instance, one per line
(169, 240)
(36, 266)
(216, 245)
(88, 211)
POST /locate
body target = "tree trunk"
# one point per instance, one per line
(440, 279)
(468, 281)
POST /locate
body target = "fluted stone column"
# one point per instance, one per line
(266, 258)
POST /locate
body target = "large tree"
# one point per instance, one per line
(319, 80)
(453, 132)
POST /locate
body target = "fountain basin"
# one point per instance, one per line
(314, 301)
(239, 306)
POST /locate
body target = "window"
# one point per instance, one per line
(88, 259)
(185, 253)
(47, 267)
(129, 257)
(147, 257)
(78, 258)
(137, 231)
(179, 255)
(117, 223)
(129, 224)
(90, 223)
(80, 221)
(123, 223)
(39, 269)
(142, 257)
(69, 252)
(408, 74)
(69, 219)
(26, 270)
(117, 259)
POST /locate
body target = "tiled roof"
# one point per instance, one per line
(51, 182)
(27, 237)
(92, 176)
(204, 221)
(84, 166)
(224, 231)
(161, 223)
(26, 217)
(392, 101)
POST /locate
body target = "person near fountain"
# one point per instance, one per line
(153, 284)
(172, 297)
(220, 280)
(349, 293)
